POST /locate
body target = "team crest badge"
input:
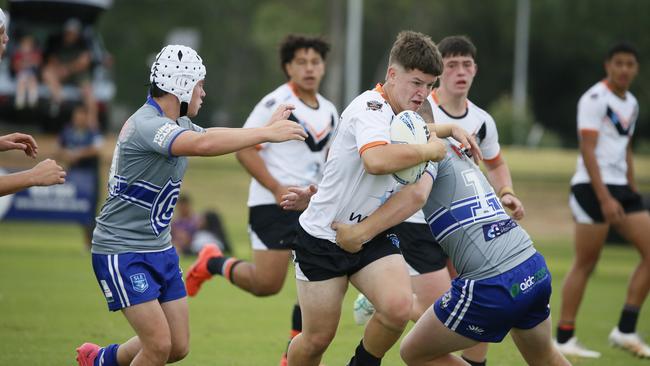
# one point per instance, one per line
(374, 105)
(393, 239)
(139, 282)
(444, 302)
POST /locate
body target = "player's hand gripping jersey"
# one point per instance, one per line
(348, 194)
(475, 121)
(293, 163)
(467, 219)
(143, 184)
(614, 119)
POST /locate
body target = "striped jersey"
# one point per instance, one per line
(293, 163)
(614, 119)
(347, 193)
(467, 219)
(143, 184)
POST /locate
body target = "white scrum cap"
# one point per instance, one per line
(176, 70)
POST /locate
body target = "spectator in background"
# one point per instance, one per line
(45, 173)
(26, 62)
(80, 143)
(68, 61)
(191, 231)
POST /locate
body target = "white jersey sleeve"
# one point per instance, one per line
(489, 145)
(591, 111)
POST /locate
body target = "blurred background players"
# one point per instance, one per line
(275, 167)
(192, 231)
(604, 194)
(80, 144)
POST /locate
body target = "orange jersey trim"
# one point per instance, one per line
(494, 159)
(371, 145)
(379, 88)
(259, 147)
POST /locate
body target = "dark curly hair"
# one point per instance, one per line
(294, 42)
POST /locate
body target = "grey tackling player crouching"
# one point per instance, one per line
(503, 284)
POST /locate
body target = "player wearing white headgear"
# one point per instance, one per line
(134, 261)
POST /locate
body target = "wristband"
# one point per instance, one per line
(506, 190)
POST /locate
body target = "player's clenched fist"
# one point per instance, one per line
(47, 173)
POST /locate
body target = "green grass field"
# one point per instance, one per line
(50, 302)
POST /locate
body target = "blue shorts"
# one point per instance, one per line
(129, 279)
(485, 310)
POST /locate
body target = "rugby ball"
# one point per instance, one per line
(408, 127)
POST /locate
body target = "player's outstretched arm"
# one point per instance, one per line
(398, 208)
(19, 141)
(226, 140)
(45, 173)
(390, 158)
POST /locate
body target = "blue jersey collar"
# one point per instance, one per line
(153, 103)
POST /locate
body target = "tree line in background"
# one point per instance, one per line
(239, 39)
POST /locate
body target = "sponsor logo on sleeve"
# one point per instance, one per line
(374, 105)
(269, 103)
(163, 133)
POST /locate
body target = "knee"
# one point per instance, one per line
(395, 312)
(178, 353)
(587, 264)
(160, 348)
(266, 288)
(317, 343)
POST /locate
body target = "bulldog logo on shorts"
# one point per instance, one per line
(139, 282)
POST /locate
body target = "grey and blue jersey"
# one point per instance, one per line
(467, 219)
(143, 184)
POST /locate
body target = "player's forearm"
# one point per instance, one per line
(398, 208)
(15, 182)
(499, 175)
(390, 158)
(251, 160)
(227, 140)
(630, 167)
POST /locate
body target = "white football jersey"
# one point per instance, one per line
(614, 118)
(475, 121)
(292, 163)
(347, 193)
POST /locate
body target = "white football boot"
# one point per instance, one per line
(362, 310)
(573, 348)
(631, 342)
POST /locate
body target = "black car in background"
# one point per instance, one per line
(43, 20)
